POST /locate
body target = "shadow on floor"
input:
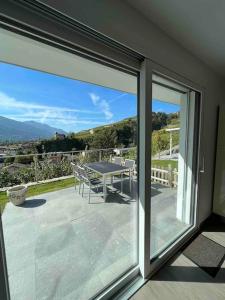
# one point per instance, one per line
(188, 274)
(195, 274)
(157, 186)
(33, 203)
(129, 190)
(116, 197)
(155, 192)
(112, 197)
(113, 194)
(213, 224)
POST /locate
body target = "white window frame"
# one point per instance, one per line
(123, 59)
(159, 70)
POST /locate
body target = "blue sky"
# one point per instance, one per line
(64, 103)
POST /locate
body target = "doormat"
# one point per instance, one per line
(205, 253)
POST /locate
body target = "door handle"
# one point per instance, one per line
(202, 169)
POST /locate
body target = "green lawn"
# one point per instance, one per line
(165, 163)
(41, 189)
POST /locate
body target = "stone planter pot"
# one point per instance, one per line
(17, 194)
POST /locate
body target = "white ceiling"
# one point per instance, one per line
(198, 25)
(22, 51)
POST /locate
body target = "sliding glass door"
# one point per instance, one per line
(75, 152)
(173, 162)
(69, 163)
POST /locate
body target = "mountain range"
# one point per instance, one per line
(13, 131)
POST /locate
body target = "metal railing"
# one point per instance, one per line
(40, 167)
(25, 168)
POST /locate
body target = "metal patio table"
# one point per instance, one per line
(105, 169)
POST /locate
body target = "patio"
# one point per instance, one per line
(60, 247)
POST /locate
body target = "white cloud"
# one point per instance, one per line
(118, 97)
(160, 109)
(95, 98)
(62, 117)
(63, 120)
(10, 102)
(106, 109)
(102, 104)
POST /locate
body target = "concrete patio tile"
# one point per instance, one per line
(19, 257)
(101, 238)
(51, 218)
(14, 215)
(54, 239)
(115, 250)
(63, 272)
(129, 231)
(114, 270)
(22, 284)
(156, 241)
(118, 247)
(121, 214)
(72, 249)
(23, 233)
(86, 291)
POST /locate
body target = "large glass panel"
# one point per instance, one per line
(172, 193)
(68, 160)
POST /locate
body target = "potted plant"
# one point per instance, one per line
(17, 194)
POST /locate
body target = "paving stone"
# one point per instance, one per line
(60, 247)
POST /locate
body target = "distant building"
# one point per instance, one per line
(14, 167)
(28, 145)
(2, 156)
(59, 136)
(91, 131)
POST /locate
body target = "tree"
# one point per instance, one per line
(104, 139)
(28, 159)
(161, 142)
(9, 160)
(60, 145)
(125, 135)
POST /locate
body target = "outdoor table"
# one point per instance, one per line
(108, 169)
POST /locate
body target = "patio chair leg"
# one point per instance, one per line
(130, 178)
(89, 193)
(104, 188)
(79, 187)
(83, 191)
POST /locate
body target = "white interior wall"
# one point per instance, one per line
(124, 24)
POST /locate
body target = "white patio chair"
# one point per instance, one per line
(117, 160)
(89, 180)
(130, 163)
(76, 175)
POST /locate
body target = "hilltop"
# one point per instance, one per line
(119, 134)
